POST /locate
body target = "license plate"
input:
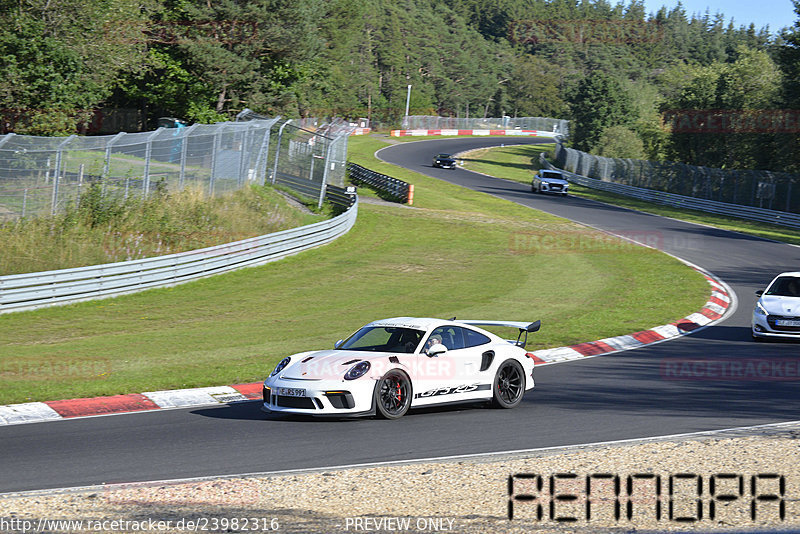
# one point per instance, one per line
(784, 322)
(292, 392)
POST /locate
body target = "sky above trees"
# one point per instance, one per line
(775, 13)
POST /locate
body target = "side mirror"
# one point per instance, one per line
(436, 350)
(338, 344)
(759, 292)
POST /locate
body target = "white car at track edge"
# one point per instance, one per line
(392, 365)
(777, 312)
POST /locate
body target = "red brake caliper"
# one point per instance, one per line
(399, 394)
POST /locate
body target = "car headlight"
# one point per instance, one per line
(760, 310)
(357, 371)
(281, 365)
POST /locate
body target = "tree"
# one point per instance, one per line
(735, 92)
(61, 58)
(210, 60)
(534, 88)
(620, 142)
(600, 101)
(789, 63)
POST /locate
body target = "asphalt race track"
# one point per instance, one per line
(606, 398)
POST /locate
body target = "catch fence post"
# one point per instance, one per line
(278, 152)
(147, 155)
(184, 153)
(56, 173)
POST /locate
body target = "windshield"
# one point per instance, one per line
(443, 156)
(785, 286)
(552, 174)
(384, 339)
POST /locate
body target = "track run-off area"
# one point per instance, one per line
(626, 395)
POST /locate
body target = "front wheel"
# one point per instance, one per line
(509, 385)
(393, 395)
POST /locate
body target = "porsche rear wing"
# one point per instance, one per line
(524, 328)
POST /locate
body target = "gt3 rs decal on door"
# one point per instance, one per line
(466, 388)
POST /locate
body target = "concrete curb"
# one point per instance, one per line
(32, 412)
(714, 309)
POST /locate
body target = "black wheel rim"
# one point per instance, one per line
(509, 383)
(394, 395)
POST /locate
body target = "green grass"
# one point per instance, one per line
(518, 163)
(456, 253)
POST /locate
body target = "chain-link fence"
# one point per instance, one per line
(429, 122)
(306, 156)
(763, 189)
(44, 175)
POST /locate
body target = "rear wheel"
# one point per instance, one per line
(509, 385)
(393, 395)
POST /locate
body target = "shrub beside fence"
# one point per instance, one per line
(386, 186)
(36, 290)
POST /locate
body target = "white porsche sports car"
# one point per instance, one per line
(392, 365)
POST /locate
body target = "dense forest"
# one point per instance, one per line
(636, 84)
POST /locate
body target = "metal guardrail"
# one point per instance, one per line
(388, 187)
(781, 218)
(36, 290)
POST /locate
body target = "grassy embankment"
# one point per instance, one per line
(456, 252)
(106, 229)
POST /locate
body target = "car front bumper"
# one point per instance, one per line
(555, 188)
(319, 397)
(766, 326)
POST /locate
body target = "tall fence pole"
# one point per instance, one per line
(107, 160)
(244, 154)
(57, 173)
(147, 156)
(184, 154)
(261, 160)
(325, 174)
(6, 138)
(278, 152)
(214, 154)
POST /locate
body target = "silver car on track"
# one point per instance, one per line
(547, 181)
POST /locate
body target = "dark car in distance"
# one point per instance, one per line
(444, 161)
